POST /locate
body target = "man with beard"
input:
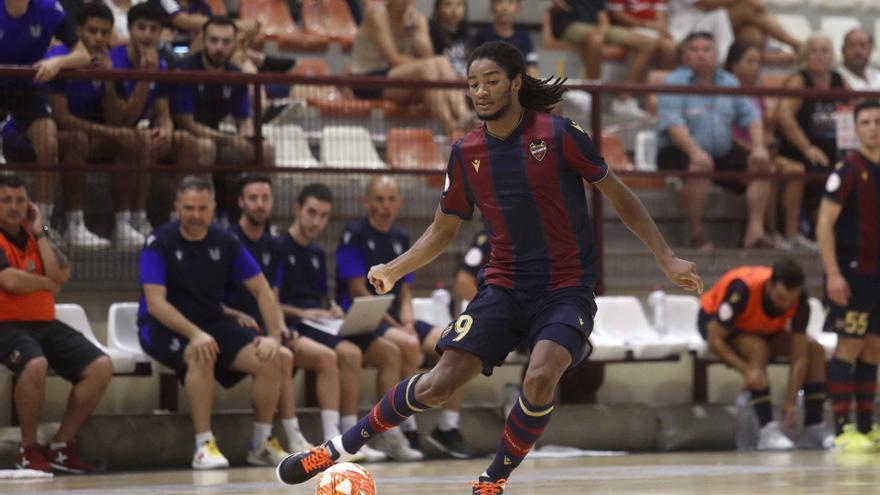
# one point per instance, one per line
(856, 51)
(185, 267)
(77, 106)
(200, 108)
(252, 230)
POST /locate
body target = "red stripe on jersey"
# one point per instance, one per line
(867, 212)
(543, 176)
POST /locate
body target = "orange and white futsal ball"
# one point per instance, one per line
(345, 478)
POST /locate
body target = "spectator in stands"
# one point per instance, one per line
(752, 22)
(29, 26)
(32, 269)
(754, 314)
(76, 107)
(857, 48)
(648, 18)
(373, 240)
(504, 14)
(394, 41)
(690, 16)
(467, 279)
(696, 134)
(185, 267)
(744, 62)
(252, 230)
(144, 104)
(201, 108)
(305, 296)
(807, 137)
(585, 25)
(450, 33)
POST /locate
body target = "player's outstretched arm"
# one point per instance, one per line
(633, 213)
(432, 242)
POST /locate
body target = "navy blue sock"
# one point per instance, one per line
(760, 401)
(524, 426)
(865, 378)
(814, 401)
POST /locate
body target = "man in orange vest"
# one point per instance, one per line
(753, 314)
(32, 269)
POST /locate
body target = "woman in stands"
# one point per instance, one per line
(807, 136)
(744, 62)
(394, 42)
(449, 33)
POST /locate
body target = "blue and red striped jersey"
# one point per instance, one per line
(855, 185)
(529, 188)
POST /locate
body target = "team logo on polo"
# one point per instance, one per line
(315, 263)
(214, 253)
(397, 248)
(267, 258)
(292, 260)
(178, 254)
(36, 30)
(538, 149)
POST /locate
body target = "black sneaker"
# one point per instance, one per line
(413, 438)
(450, 443)
(302, 466)
(485, 486)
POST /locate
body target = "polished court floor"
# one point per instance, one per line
(677, 473)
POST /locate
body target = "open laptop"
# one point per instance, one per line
(363, 316)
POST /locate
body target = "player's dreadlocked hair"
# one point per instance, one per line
(535, 94)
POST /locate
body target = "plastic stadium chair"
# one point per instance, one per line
(349, 147)
(680, 319)
(608, 344)
(313, 93)
(844, 5)
(796, 24)
(291, 146)
(75, 317)
(218, 7)
(836, 27)
(425, 309)
(122, 331)
(815, 327)
(331, 19)
(412, 148)
(623, 317)
(279, 27)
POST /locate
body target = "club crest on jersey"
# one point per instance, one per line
(214, 253)
(476, 164)
(538, 149)
(267, 258)
(36, 30)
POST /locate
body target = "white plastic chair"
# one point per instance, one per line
(646, 151)
(623, 317)
(836, 27)
(291, 146)
(845, 5)
(680, 318)
(122, 333)
(75, 317)
(425, 309)
(349, 147)
(815, 326)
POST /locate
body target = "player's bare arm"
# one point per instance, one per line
(835, 285)
(633, 213)
(432, 242)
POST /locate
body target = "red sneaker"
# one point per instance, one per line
(32, 457)
(66, 460)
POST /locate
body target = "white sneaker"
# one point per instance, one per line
(628, 108)
(80, 237)
(816, 437)
(298, 443)
(771, 438)
(800, 242)
(372, 455)
(126, 237)
(396, 446)
(208, 456)
(269, 454)
(143, 226)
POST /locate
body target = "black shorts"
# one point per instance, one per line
(167, 347)
(735, 161)
(370, 92)
(25, 101)
(704, 318)
(499, 319)
(862, 315)
(363, 341)
(422, 329)
(67, 351)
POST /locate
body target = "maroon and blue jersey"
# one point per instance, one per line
(855, 185)
(529, 188)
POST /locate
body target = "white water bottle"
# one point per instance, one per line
(442, 300)
(657, 302)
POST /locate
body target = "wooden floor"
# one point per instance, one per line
(679, 473)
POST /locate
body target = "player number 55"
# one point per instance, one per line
(856, 323)
(462, 326)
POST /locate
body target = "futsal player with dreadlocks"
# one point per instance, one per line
(523, 169)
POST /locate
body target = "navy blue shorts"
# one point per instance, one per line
(498, 320)
(167, 347)
(862, 315)
(363, 341)
(423, 328)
